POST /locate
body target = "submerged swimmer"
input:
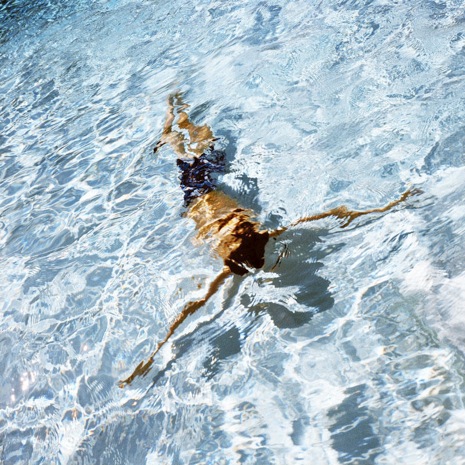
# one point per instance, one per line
(231, 230)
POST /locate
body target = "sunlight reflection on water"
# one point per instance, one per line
(350, 351)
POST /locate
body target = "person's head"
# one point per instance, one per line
(250, 248)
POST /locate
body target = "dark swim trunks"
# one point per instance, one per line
(198, 174)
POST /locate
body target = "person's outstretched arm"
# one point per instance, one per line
(345, 214)
(143, 367)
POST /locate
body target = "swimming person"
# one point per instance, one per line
(231, 230)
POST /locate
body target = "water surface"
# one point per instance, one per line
(350, 351)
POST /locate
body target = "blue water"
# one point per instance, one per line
(351, 351)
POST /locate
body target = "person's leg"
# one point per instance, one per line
(200, 137)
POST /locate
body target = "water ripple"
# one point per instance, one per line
(346, 348)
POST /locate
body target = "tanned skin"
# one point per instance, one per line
(232, 231)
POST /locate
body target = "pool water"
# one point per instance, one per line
(347, 347)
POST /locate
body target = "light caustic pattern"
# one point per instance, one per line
(349, 350)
